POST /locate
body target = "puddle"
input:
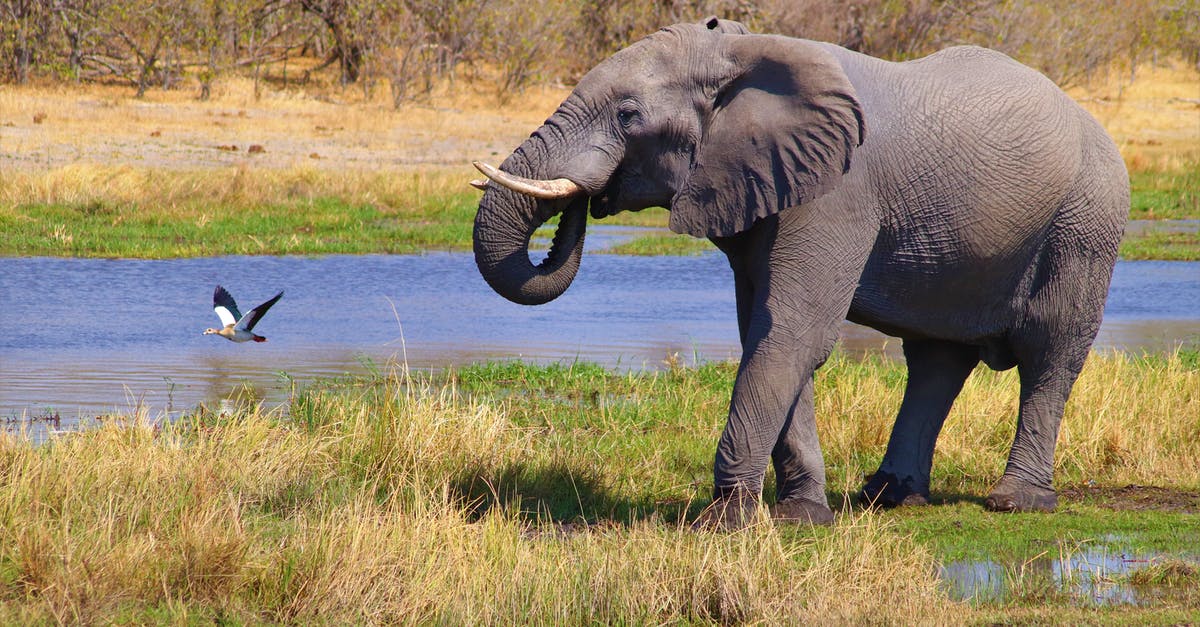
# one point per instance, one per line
(1089, 576)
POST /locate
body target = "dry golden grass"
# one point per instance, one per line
(104, 125)
(1155, 120)
(353, 519)
(1151, 119)
(191, 193)
(1129, 420)
(357, 508)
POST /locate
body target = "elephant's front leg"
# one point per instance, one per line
(771, 417)
(791, 299)
(800, 467)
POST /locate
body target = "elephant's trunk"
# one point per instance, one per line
(503, 227)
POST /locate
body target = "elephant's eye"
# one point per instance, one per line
(627, 116)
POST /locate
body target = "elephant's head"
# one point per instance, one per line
(719, 126)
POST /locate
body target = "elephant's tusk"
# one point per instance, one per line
(479, 184)
(545, 190)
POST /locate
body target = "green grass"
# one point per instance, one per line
(121, 212)
(308, 226)
(1163, 246)
(333, 226)
(509, 492)
(962, 531)
(1165, 195)
(665, 244)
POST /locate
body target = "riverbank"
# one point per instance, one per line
(513, 493)
(91, 172)
(127, 212)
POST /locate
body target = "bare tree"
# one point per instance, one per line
(25, 32)
(340, 17)
(455, 28)
(137, 35)
(408, 57)
(76, 20)
(523, 37)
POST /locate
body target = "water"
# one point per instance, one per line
(1092, 575)
(1142, 227)
(81, 337)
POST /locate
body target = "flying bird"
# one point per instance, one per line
(237, 327)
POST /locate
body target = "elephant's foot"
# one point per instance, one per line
(801, 511)
(731, 511)
(1015, 495)
(883, 489)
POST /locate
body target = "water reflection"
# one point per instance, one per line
(86, 336)
(1094, 575)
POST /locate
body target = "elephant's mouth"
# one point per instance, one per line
(623, 193)
(604, 202)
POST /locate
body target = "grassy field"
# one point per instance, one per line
(507, 493)
(93, 173)
(510, 493)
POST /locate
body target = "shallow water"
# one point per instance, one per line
(1093, 575)
(1141, 227)
(80, 337)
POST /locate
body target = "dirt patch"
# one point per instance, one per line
(1136, 498)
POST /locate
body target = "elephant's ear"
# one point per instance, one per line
(781, 132)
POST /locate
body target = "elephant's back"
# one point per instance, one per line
(968, 159)
(966, 142)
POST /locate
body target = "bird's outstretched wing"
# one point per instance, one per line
(226, 309)
(252, 317)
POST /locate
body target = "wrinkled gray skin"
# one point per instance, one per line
(960, 202)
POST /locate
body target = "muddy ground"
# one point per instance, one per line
(1135, 498)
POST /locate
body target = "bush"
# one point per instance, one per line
(415, 43)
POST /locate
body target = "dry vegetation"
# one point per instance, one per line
(393, 500)
(1155, 119)
(56, 127)
(410, 43)
(75, 145)
(358, 518)
(231, 76)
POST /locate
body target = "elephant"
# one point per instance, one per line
(960, 202)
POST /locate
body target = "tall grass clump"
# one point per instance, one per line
(358, 508)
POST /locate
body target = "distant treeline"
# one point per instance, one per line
(412, 45)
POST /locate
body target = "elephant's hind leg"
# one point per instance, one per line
(1062, 318)
(936, 373)
(1050, 357)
